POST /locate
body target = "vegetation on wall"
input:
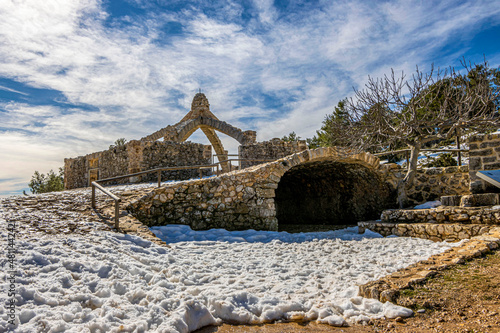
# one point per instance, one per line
(119, 142)
(291, 137)
(443, 160)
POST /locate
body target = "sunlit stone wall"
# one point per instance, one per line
(484, 154)
(432, 183)
(136, 156)
(269, 150)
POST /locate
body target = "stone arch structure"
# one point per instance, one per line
(243, 199)
(200, 117)
(330, 192)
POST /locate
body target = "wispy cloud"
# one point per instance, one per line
(268, 68)
(13, 90)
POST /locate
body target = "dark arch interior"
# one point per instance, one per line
(330, 193)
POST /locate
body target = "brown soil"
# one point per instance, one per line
(465, 298)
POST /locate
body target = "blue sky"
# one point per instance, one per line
(77, 75)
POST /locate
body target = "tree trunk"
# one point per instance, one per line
(405, 184)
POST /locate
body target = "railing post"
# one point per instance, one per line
(458, 147)
(93, 196)
(117, 214)
(201, 172)
(159, 178)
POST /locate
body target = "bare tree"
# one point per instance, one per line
(413, 111)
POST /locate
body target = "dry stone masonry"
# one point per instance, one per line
(484, 154)
(432, 183)
(133, 157)
(436, 232)
(242, 199)
(269, 150)
(450, 223)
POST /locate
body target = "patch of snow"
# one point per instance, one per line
(428, 204)
(175, 233)
(105, 281)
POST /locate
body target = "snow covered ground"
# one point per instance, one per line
(104, 281)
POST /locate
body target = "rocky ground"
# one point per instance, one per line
(56, 212)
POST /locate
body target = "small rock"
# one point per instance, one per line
(421, 311)
(399, 320)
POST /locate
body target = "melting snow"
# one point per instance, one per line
(428, 204)
(105, 281)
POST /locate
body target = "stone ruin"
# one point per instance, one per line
(168, 147)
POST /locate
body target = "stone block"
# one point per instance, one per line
(476, 186)
(490, 159)
(475, 163)
(433, 171)
(451, 200)
(451, 169)
(489, 144)
(492, 166)
(477, 200)
(483, 152)
(265, 193)
(476, 138)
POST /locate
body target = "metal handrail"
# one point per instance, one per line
(114, 197)
(117, 200)
(407, 151)
(432, 150)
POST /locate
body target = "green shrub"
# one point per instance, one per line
(443, 160)
(51, 182)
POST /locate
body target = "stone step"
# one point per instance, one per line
(472, 200)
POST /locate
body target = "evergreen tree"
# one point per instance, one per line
(51, 182)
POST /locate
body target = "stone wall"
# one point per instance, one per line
(434, 232)
(269, 150)
(431, 183)
(484, 154)
(232, 201)
(243, 199)
(444, 214)
(136, 156)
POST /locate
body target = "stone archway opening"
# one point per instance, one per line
(330, 193)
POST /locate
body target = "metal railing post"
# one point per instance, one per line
(117, 214)
(159, 178)
(458, 147)
(93, 196)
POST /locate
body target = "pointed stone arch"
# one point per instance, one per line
(200, 117)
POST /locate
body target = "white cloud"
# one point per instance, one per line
(307, 61)
(21, 156)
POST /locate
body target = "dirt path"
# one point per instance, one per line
(465, 298)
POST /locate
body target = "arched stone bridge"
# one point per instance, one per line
(320, 186)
